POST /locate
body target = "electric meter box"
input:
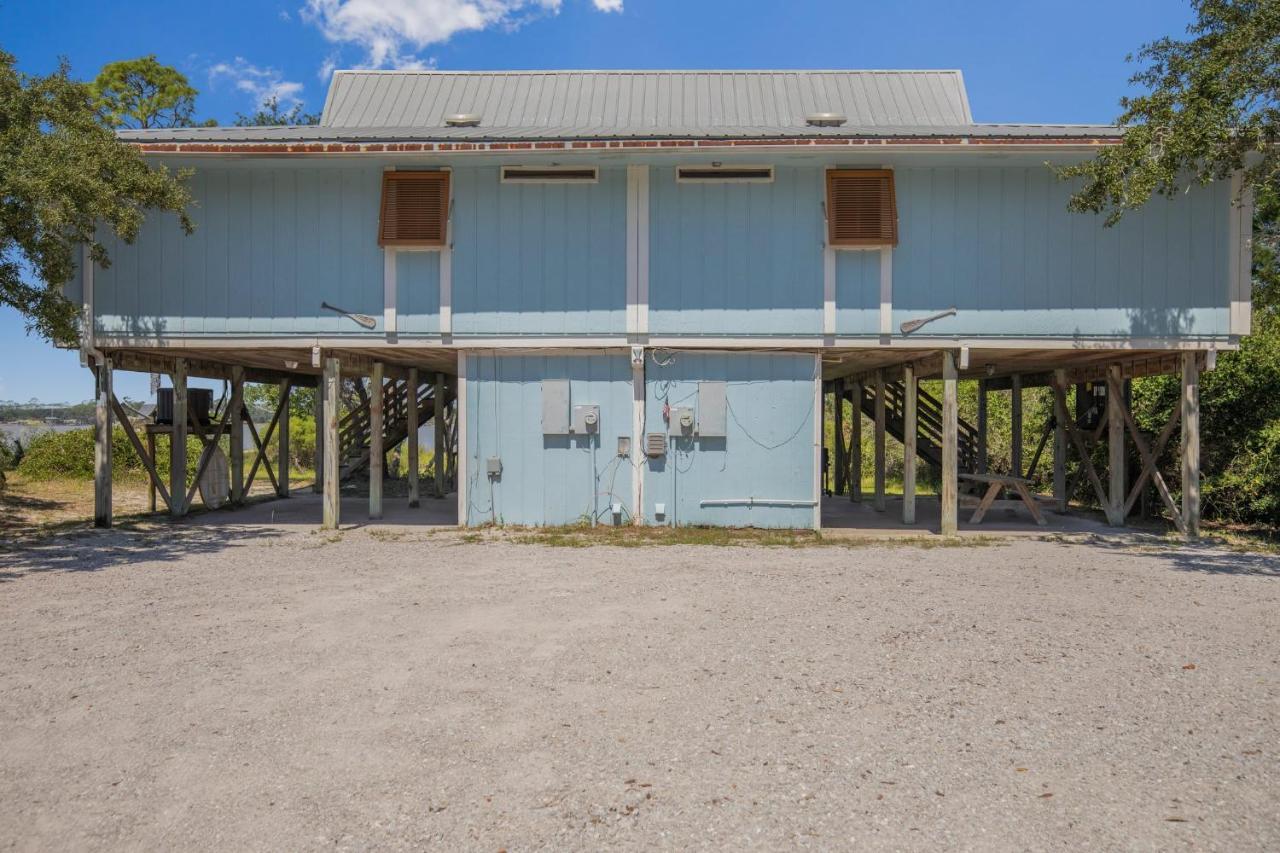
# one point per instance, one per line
(586, 419)
(682, 420)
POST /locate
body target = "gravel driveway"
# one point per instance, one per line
(260, 689)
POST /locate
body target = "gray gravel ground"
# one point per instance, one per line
(269, 690)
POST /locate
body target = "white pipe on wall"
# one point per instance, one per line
(755, 502)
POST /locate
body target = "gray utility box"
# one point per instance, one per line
(586, 419)
(555, 406)
(682, 421)
(713, 409)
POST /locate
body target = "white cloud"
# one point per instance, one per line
(392, 32)
(261, 84)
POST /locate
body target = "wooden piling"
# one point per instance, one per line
(880, 449)
(909, 443)
(838, 485)
(318, 461)
(282, 431)
(855, 442)
(375, 441)
(237, 435)
(950, 497)
(982, 426)
(1015, 425)
(1115, 446)
(411, 414)
(1191, 444)
(102, 444)
(332, 400)
(1060, 456)
(178, 442)
(438, 452)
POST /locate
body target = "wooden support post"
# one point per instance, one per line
(151, 486)
(982, 426)
(950, 450)
(178, 442)
(1015, 425)
(880, 441)
(438, 451)
(375, 441)
(1191, 444)
(838, 415)
(102, 445)
(237, 436)
(855, 443)
(411, 414)
(282, 484)
(1115, 446)
(318, 461)
(332, 401)
(909, 443)
(1060, 457)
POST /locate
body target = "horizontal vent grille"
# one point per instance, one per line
(754, 174)
(415, 209)
(861, 209)
(521, 175)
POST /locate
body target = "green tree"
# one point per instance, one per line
(1211, 107)
(142, 93)
(270, 114)
(64, 174)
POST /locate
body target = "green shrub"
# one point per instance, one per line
(56, 455)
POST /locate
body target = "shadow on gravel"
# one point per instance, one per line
(91, 551)
(1215, 561)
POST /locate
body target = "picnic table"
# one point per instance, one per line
(998, 483)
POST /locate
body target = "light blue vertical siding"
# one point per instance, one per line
(546, 479)
(417, 293)
(270, 245)
(274, 239)
(539, 259)
(736, 259)
(999, 245)
(768, 452)
(858, 292)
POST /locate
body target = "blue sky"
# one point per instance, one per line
(1027, 61)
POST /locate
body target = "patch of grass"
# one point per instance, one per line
(642, 537)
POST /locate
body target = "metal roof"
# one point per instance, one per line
(631, 103)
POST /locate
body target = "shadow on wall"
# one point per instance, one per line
(1160, 322)
(79, 551)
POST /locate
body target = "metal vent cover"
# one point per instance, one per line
(824, 119)
(655, 445)
(462, 120)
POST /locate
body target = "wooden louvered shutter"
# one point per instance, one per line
(415, 208)
(861, 209)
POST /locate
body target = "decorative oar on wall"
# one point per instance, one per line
(360, 319)
(912, 325)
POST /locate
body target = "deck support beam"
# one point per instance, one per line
(1115, 447)
(950, 497)
(1015, 425)
(855, 442)
(438, 452)
(982, 426)
(178, 442)
(102, 444)
(318, 415)
(880, 441)
(908, 443)
(237, 436)
(411, 416)
(840, 470)
(1191, 444)
(282, 444)
(1059, 461)
(376, 400)
(332, 488)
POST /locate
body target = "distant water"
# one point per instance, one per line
(26, 432)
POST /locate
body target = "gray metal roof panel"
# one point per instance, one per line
(660, 101)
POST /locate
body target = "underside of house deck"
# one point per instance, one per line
(881, 383)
